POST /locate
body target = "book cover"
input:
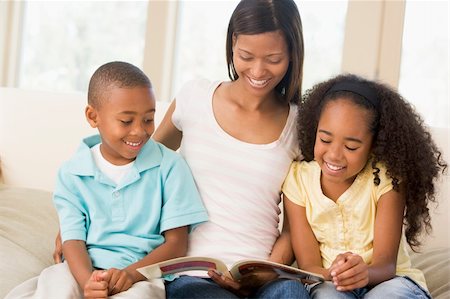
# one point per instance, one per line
(238, 271)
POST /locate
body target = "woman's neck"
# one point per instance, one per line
(243, 99)
(257, 120)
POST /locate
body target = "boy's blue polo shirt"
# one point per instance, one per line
(122, 223)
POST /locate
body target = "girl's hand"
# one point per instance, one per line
(96, 286)
(118, 280)
(349, 272)
(229, 284)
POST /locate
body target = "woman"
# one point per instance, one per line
(238, 138)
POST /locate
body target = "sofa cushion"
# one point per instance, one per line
(435, 265)
(28, 226)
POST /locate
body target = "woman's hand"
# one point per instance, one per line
(349, 272)
(248, 284)
(229, 284)
(57, 253)
(257, 278)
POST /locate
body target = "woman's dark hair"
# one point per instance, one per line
(261, 16)
(401, 142)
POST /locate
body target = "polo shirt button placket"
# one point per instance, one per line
(116, 194)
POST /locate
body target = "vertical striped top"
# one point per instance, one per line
(240, 183)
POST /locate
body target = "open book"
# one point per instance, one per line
(237, 271)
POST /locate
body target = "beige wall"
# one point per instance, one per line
(372, 43)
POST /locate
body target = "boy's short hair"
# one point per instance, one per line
(114, 74)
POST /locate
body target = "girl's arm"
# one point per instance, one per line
(352, 272)
(282, 249)
(167, 133)
(305, 245)
(387, 235)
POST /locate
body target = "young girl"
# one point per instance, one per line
(368, 170)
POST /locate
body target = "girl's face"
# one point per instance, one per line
(343, 141)
(125, 122)
(260, 60)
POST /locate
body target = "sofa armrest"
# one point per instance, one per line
(435, 265)
(28, 226)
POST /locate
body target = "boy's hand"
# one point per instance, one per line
(118, 280)
(96, 286)
(349, 272)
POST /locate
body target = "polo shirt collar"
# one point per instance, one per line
(83, 162)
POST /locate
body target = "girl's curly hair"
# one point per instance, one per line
(401, 141)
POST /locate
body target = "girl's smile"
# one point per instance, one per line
(343, 144)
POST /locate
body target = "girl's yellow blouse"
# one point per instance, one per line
(347, 224)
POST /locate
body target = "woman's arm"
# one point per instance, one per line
(305, 245)
(167, 133)
(57, 252)
(282, 249)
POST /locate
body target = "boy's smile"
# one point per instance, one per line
(125, 121)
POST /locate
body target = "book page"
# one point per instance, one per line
(274, 270)
(182, 264)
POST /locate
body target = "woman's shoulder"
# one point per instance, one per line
(195, 92)
(199, 85)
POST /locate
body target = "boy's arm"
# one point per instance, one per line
(79, 262)
(175, 245)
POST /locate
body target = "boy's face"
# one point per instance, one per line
(125, 121)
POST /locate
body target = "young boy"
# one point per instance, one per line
(123, 200)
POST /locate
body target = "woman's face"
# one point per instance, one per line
(260, 60)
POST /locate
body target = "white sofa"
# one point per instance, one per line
(39, 130)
